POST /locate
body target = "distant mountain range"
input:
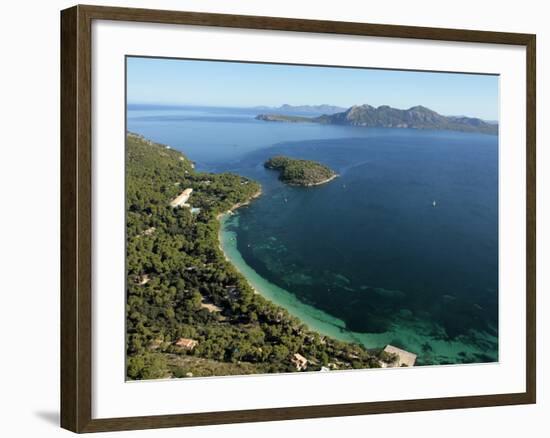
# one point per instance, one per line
(302, 109)
(384, 116)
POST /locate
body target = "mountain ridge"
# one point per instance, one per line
(385, 116)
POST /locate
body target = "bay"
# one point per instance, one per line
(367, 257)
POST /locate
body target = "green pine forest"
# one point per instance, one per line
(179, 284)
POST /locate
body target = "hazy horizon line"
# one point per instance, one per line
(180, 105)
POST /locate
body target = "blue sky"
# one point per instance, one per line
(215, 83)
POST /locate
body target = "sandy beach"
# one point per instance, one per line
(220, 216)
(313, 318)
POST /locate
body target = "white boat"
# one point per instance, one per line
(434, 203)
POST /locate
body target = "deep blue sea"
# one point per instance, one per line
(367, 257)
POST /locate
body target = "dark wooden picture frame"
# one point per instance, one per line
(76, 217)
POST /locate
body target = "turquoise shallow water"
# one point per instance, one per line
(314, 318)
(366, 258)
(407, 332)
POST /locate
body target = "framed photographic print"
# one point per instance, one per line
(269, 218)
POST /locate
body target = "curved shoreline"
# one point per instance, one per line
(220, 217)
(315, 319)
(239, 204)
(329, 179)
(318, 320)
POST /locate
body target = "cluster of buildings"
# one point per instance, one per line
(402, 359)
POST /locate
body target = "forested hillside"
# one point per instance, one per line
(189, 312)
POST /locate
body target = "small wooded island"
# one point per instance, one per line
(300, 172)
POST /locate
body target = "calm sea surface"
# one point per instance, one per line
(367, 257)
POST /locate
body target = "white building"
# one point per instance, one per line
(181, 199)
(405, 358)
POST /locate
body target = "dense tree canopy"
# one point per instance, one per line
(179, 284)
(300, 172)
